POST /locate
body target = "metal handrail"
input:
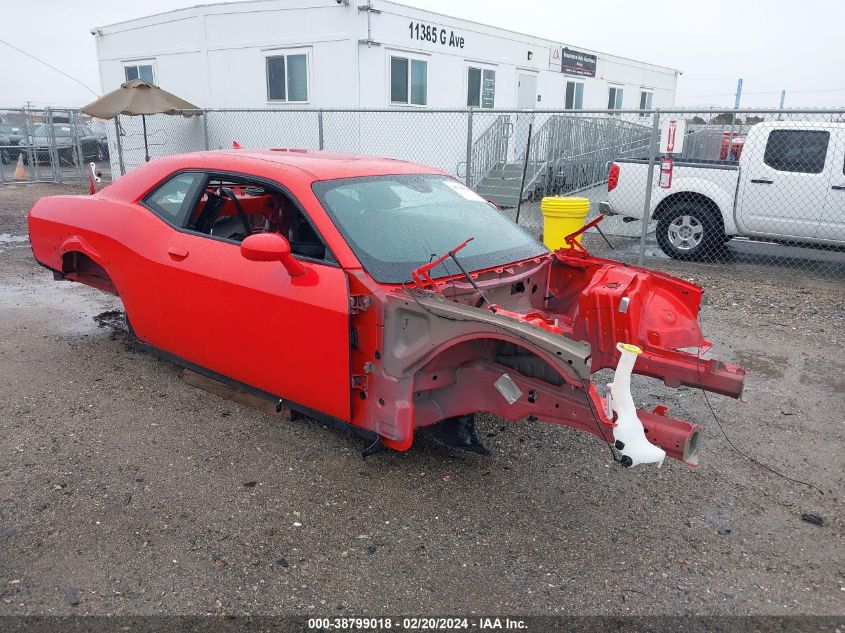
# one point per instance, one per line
(490, 149)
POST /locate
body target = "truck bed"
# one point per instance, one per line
(686, 162)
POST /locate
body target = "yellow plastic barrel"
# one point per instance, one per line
(562, 216)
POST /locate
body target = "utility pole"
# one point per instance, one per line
(733, 118)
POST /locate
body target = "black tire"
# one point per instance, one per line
(5, 156)
(689, 231)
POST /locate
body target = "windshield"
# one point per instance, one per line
(395, 224)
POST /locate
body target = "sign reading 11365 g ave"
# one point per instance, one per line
(435, 35)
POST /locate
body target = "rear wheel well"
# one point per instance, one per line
(695, 198)
(78, 266)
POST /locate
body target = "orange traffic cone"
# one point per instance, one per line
(20, 172)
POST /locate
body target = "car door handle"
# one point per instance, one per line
(177, 252)
(838, 187)
(761, 181)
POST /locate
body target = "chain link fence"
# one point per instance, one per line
(744, 191)
(51, 145)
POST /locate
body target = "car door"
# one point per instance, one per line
(832, 221)
(251, 321)
(784, 183)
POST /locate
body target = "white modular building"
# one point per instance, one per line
(366, 54)
(471, 99)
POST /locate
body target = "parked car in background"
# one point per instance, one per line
(788, 186)
(64, 136)
(98, 127)
(10, 138)
(5, 149)
(378, 293)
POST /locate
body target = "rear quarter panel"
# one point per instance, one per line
(123, 238)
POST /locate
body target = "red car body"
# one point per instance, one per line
(328, 339)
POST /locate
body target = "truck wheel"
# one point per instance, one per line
(687, 231)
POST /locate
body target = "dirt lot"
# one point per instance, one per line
(126, 491)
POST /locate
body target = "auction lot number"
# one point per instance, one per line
(374, 624)
(416, 624)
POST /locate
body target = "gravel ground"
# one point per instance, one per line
(125, 491)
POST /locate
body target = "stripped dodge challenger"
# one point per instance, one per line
(381, 294)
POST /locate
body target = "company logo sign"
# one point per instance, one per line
(572, 62)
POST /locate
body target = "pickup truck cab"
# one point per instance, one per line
(788, 186)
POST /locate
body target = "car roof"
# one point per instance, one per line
(325, 165)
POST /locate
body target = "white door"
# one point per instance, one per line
(526, 92)
(832, 222)
(526, 99)
(785, 177)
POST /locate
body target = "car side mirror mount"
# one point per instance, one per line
(271, 247)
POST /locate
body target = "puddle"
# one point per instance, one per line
(768, 365)
(112, 319)
(67, 307)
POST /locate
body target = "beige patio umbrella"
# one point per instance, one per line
(137, 97)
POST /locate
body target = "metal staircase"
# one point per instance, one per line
(567, 154)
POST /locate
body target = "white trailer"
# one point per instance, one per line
(328, 54)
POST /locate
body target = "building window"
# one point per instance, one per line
(614, 98)
(574, 95)
(408, 81)
(646, 97)
(481, 87)
(143, 72)
(287, 78)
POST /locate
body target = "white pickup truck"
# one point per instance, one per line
(788, 186)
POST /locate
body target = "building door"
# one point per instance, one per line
(526, 95)
(526, 99)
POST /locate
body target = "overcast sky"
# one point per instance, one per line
(772, 45)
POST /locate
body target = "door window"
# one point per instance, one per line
(801, 151)
(172, 199)
(231, 208)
